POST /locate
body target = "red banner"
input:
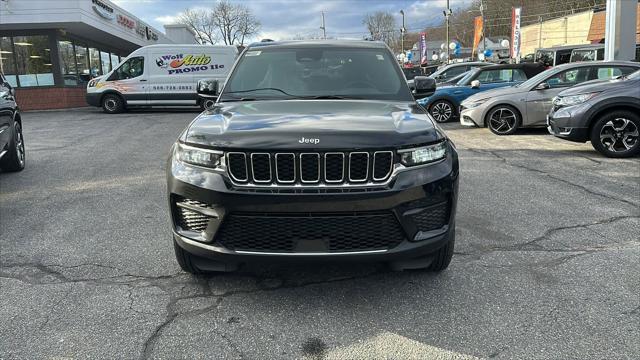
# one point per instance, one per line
(478, 30)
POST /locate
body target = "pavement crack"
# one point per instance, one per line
(549, 175)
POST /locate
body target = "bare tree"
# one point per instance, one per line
(382, 26)
(234, 22)
(201, 22)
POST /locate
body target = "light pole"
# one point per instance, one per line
(324, 29)
(402, 30)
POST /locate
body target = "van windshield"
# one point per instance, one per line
(316, 72)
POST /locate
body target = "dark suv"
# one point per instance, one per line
(607, 113)
(11, 141)
(313, 151)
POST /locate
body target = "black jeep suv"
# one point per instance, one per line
(313, 151)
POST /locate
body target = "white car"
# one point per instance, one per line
(160, 75)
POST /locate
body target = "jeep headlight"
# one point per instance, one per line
(423, 154)
(573, 99)
(199, 156)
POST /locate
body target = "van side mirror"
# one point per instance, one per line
(207, 88)
(475, 84)
(543, 86)
(423, 87)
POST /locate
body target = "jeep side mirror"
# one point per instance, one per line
(475, 84)
(423, 87)
(543, 86)
(207, 88)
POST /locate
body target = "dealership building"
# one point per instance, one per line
(49, 49)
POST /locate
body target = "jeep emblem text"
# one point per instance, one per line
(304, 140)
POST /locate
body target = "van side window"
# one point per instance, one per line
(129, 69)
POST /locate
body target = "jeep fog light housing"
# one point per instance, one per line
(199, 156)
(424, 154)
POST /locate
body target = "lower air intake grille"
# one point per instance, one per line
(189, 219)
(310, 232)
(432, 218)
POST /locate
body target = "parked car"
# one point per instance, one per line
(503, 111)
(300, 160)
(446, 72)
(554, 56)
(607, 113)
(160, 75)
(12, 154)
(412, 72)
(587, 53)
(529, 58)
(454, 80)
(429, 69)
(444, 103)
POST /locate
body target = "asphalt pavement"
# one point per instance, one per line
(546, 263)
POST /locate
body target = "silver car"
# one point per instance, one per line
(505, 110)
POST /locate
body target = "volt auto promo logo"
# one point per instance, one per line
(181, 63)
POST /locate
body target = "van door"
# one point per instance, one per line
(130, 80)
(171, 74)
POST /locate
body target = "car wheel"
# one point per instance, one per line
(617, 134)
(441, 111)
(14, 160)
(503, 120)
(112, 104)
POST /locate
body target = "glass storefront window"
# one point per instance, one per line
(115, 60)
(94, 62)
(7, 64)
(33, 61)
(82, 62)
(68, 62)
(105, 59)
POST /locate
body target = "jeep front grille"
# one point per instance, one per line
(310, 168)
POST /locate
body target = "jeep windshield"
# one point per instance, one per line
(267, 73)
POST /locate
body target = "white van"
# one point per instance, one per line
(160, 75)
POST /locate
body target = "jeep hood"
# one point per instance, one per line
(337, 124)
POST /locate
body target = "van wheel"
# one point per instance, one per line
(112, 104)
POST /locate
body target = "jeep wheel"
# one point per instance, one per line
(442, 258)
(112, 104)
(616, 134)
(442, 111)
(14, 159)
(185, 260)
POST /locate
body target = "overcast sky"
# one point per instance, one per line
(286, 18)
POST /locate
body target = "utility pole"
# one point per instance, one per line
(324, 30)
(402, 30)
(447, 13)
(484, 43)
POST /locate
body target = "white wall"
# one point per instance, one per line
(38, 14)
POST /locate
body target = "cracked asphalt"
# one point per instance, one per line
(546, 263)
